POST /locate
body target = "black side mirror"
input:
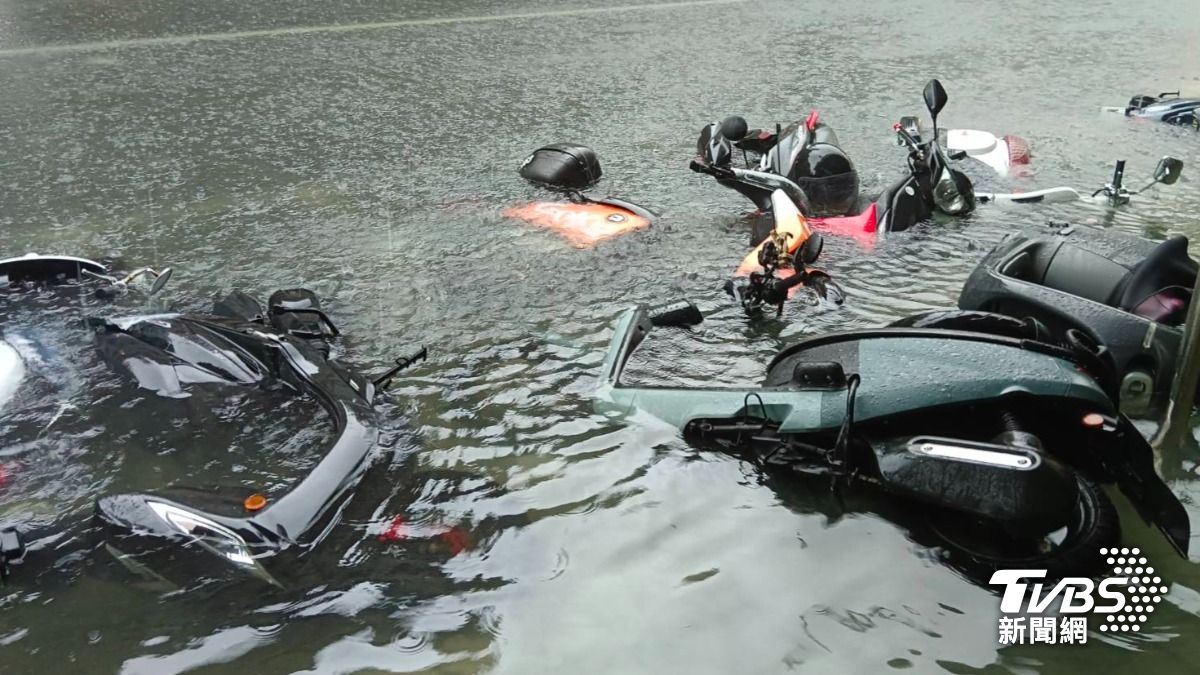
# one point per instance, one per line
(734, 128)
(935, 98)
(1168, 170)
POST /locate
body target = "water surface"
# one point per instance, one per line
(373, 165)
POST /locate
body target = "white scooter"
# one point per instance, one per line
(1166, 107)
(1002, 153)
(1112, 194)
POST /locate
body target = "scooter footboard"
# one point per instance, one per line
(1029, 493)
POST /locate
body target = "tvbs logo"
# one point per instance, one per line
(1125, 600)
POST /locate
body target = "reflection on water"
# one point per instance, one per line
(508, 527)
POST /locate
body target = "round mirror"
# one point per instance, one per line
(1168, 170)
(160, 281)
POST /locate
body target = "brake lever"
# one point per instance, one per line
(908, 140)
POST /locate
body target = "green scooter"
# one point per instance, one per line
(1004, 438)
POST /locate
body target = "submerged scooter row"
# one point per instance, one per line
(1001, 420)
(803, 167)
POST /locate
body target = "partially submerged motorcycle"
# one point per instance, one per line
(930, 184)
(187, 533)
(1003, 438)
(805, 155)
(1129, 294)
(1113, 194)
(1004, 154)
(1166, 107)
(569, 169)
(789, 251)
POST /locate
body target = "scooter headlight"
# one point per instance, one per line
(953, 193)
(209, 534)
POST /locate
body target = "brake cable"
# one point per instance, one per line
(841, 445)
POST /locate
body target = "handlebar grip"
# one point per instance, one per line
(700, 166)
(906, 137)
(681, 313)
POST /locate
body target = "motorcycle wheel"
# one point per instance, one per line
(1073, 550)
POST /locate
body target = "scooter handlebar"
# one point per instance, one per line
(905, 137)
(700, 166)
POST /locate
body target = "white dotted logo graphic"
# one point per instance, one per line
(1143, 592)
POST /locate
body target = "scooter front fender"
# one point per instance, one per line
(901, 206)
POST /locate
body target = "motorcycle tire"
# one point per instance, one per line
(981, 547)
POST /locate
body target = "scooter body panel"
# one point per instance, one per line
(1136, 343)
(919, 374)
(901, 370)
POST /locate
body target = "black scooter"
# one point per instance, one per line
(931, 183)
(1129, 294)
(805, 154)
(182, 533)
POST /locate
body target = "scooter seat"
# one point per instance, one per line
(1080, 272)
(1167, 265)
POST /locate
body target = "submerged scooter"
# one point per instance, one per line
(1004, 154)
(1114, 194)
(789, 250)
(569, 169)
(930, 184)
(1129, 294)
(182, 533)
(1167, 107)
(806, 155)
(1002, 438)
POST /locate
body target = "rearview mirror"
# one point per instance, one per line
(935, 98)
(1168, 170)
(160, 281)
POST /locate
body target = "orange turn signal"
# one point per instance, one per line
(255, 502)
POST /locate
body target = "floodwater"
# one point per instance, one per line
(368, 150)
